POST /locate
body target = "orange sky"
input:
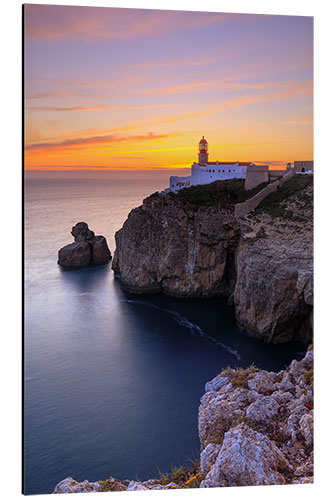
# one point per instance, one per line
(126, 89)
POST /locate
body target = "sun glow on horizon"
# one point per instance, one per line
(159, 85)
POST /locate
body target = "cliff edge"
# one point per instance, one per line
(191, 245)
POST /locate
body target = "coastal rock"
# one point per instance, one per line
(76, 254)
(81, 232)
(248, 437)
(136, 486)
(264, 265)
(87, 248)
(251, 434)
(167, 246)
(263, 408)
(100, 253)
(208, 457)
(246, 458)
(69, 485)
(271, 299)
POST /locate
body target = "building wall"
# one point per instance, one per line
(242, 209)
(177, 183)
(207, 174)
(303, 166)
(274, 174)
(255, 175)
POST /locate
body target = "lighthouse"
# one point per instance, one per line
(205, 172)
(203, 151)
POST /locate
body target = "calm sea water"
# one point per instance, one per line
(113, 381)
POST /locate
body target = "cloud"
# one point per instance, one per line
(305, 120)
(97, 107)
(303, 88)
(53, 22)
(199, 60)
(220, 83)
(84, 141)
(184, 88)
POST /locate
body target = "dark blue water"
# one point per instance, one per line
(113, 380)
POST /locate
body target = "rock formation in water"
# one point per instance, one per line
(87, 248)
(191, 245)
(255, 428)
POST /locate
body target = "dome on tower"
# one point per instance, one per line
(203, 140)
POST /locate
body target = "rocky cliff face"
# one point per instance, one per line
(168, 246)
(273, 296)
(255, 428)
(263, 261)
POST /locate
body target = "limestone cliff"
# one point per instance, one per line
(191, 245)
(255, 428)
(166, 245)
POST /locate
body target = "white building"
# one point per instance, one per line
(205, 172)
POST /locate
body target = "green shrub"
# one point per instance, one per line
(273, 203)
(227, 192)
(239, 376)
(184, 476)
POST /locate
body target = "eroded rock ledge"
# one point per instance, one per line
(255, 428)
(263, 262)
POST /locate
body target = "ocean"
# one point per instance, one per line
(113, 381)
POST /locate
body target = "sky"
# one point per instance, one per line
(110, 89)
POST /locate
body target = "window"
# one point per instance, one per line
(213, 171)
(223, 171)
(229, 170)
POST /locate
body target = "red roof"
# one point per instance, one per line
(203, 140)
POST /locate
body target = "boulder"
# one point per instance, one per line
(87, 249)
(81, 232)
(75, 255)
(247, 458)
(69, 485)
(100, 252)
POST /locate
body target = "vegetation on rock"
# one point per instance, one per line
(224, 193)
(274, 204)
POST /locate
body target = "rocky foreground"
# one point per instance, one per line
(255, 428)
(191, 245)
(86, 250)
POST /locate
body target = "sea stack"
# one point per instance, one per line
(86, 250)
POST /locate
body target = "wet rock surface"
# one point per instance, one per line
(86, 250)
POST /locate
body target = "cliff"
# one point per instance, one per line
(255, 428)
(191, 245)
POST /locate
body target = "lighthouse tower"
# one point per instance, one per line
(203, 151)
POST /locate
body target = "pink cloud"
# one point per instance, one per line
(84, 141)
(52, 22)
(97, 107)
